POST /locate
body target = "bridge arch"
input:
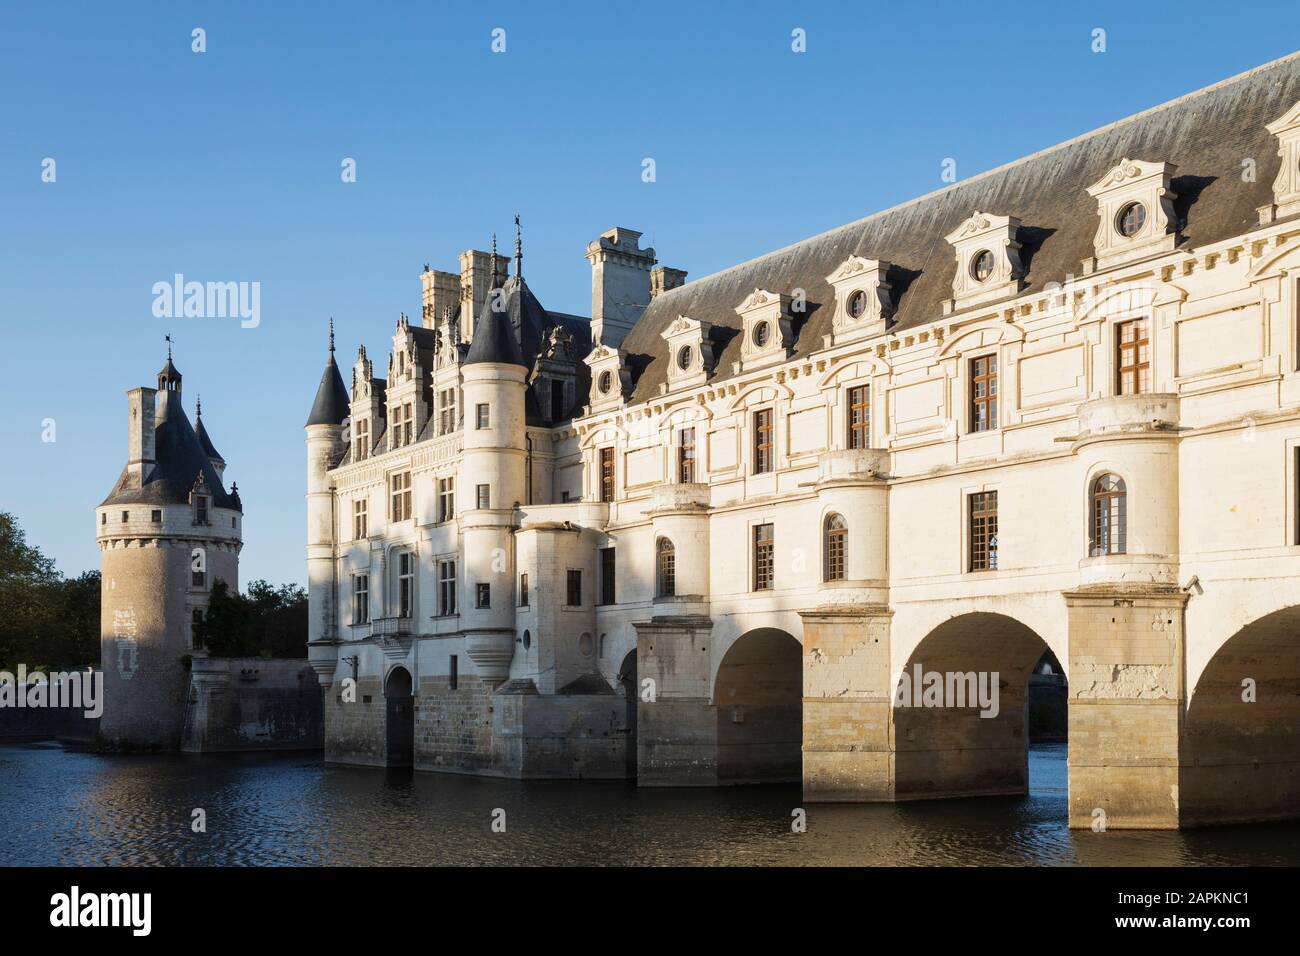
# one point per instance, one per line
(1239, 754)
(757, 696)
(959, 708)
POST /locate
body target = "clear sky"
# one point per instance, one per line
(225, 166)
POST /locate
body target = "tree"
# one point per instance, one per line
(265, 621)
(46, 622)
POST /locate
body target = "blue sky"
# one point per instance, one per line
(225, 166)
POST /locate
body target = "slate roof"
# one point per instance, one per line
(494, 332)
(179, 458)
(331, 405)
(204, 440)
(1206, 134)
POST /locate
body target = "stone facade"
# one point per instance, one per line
(1053, 409)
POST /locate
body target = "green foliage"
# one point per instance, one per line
(264, 621)
(47, 622)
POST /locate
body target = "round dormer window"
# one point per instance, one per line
(606, 382)
(1131, 219)
(981, 265)
(685, 356)
(762, 332)
(857, 304)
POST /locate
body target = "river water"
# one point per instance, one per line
(61, 806)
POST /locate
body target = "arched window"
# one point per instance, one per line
(1109, 516)
(835, 548)
(667, 567)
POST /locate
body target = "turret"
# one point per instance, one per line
(491, 477)
(167, 532)
(325, 446)
(218, 463)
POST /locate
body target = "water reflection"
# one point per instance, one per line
(67, 807)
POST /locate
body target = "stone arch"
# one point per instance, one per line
(758, 695)
(1239, 759)
(965, 733)
(399, 718)
(627, 686)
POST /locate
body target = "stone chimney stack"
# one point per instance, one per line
(664, 278)
(475, 280)
(620, 283)
(140, 437)
(441, 291)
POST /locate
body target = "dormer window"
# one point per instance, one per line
(611, 379)
(863, 304)
(1135, 205)
(768, 329)
(1286, 187)
(690, 346)
(201, 510)
(989, 266)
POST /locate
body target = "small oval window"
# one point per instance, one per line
(685, 356)
(606, 382)
(857, 304)
(761, 333)
(1131, 220)
(981, 265)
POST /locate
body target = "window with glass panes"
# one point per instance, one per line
(686, 456)
(984, 531)
(1133, 357)
(764, 557)
(400, 497)
(984, 393)
(763, 441)
(859, 417)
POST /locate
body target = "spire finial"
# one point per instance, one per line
(169, 347)
(519, 249)
(331, 336)
(198, 406)
(493, 279)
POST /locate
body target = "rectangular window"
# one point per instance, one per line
(156, 517)
(126, 515)
(558, 405)
(453, 672)
(446, 498)
(984, 531)
(482, 416)
(764, 557)
(198, 579)
(360, 440)
(984, 393)
(1132, 358)
(202, 511)
(574, 591)
(859, 417)
(360, 598)
(103, 519)
(446, 587)
(686, 456)
(395, 433)
(405, 584)
(408, 424)
(523, 590)
(446, 411)
(400, 484)
(359, 529)
(607, 572)
(482, 595)
(484, 496)
(763, 441)
(607, 474)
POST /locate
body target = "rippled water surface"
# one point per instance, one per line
(62, 806)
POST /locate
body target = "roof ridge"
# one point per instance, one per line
(1141, 114)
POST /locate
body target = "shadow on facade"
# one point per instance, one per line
(1239, 757)
(758, 699)
(399, 719)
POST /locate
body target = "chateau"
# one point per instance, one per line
(699, 537)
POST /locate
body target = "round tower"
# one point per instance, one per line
(325, 446)
(167, 533)
(492, 475)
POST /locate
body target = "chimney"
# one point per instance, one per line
(140, 426)
(441, 291)
(620, 283)
(475, 280)
(664, 278)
